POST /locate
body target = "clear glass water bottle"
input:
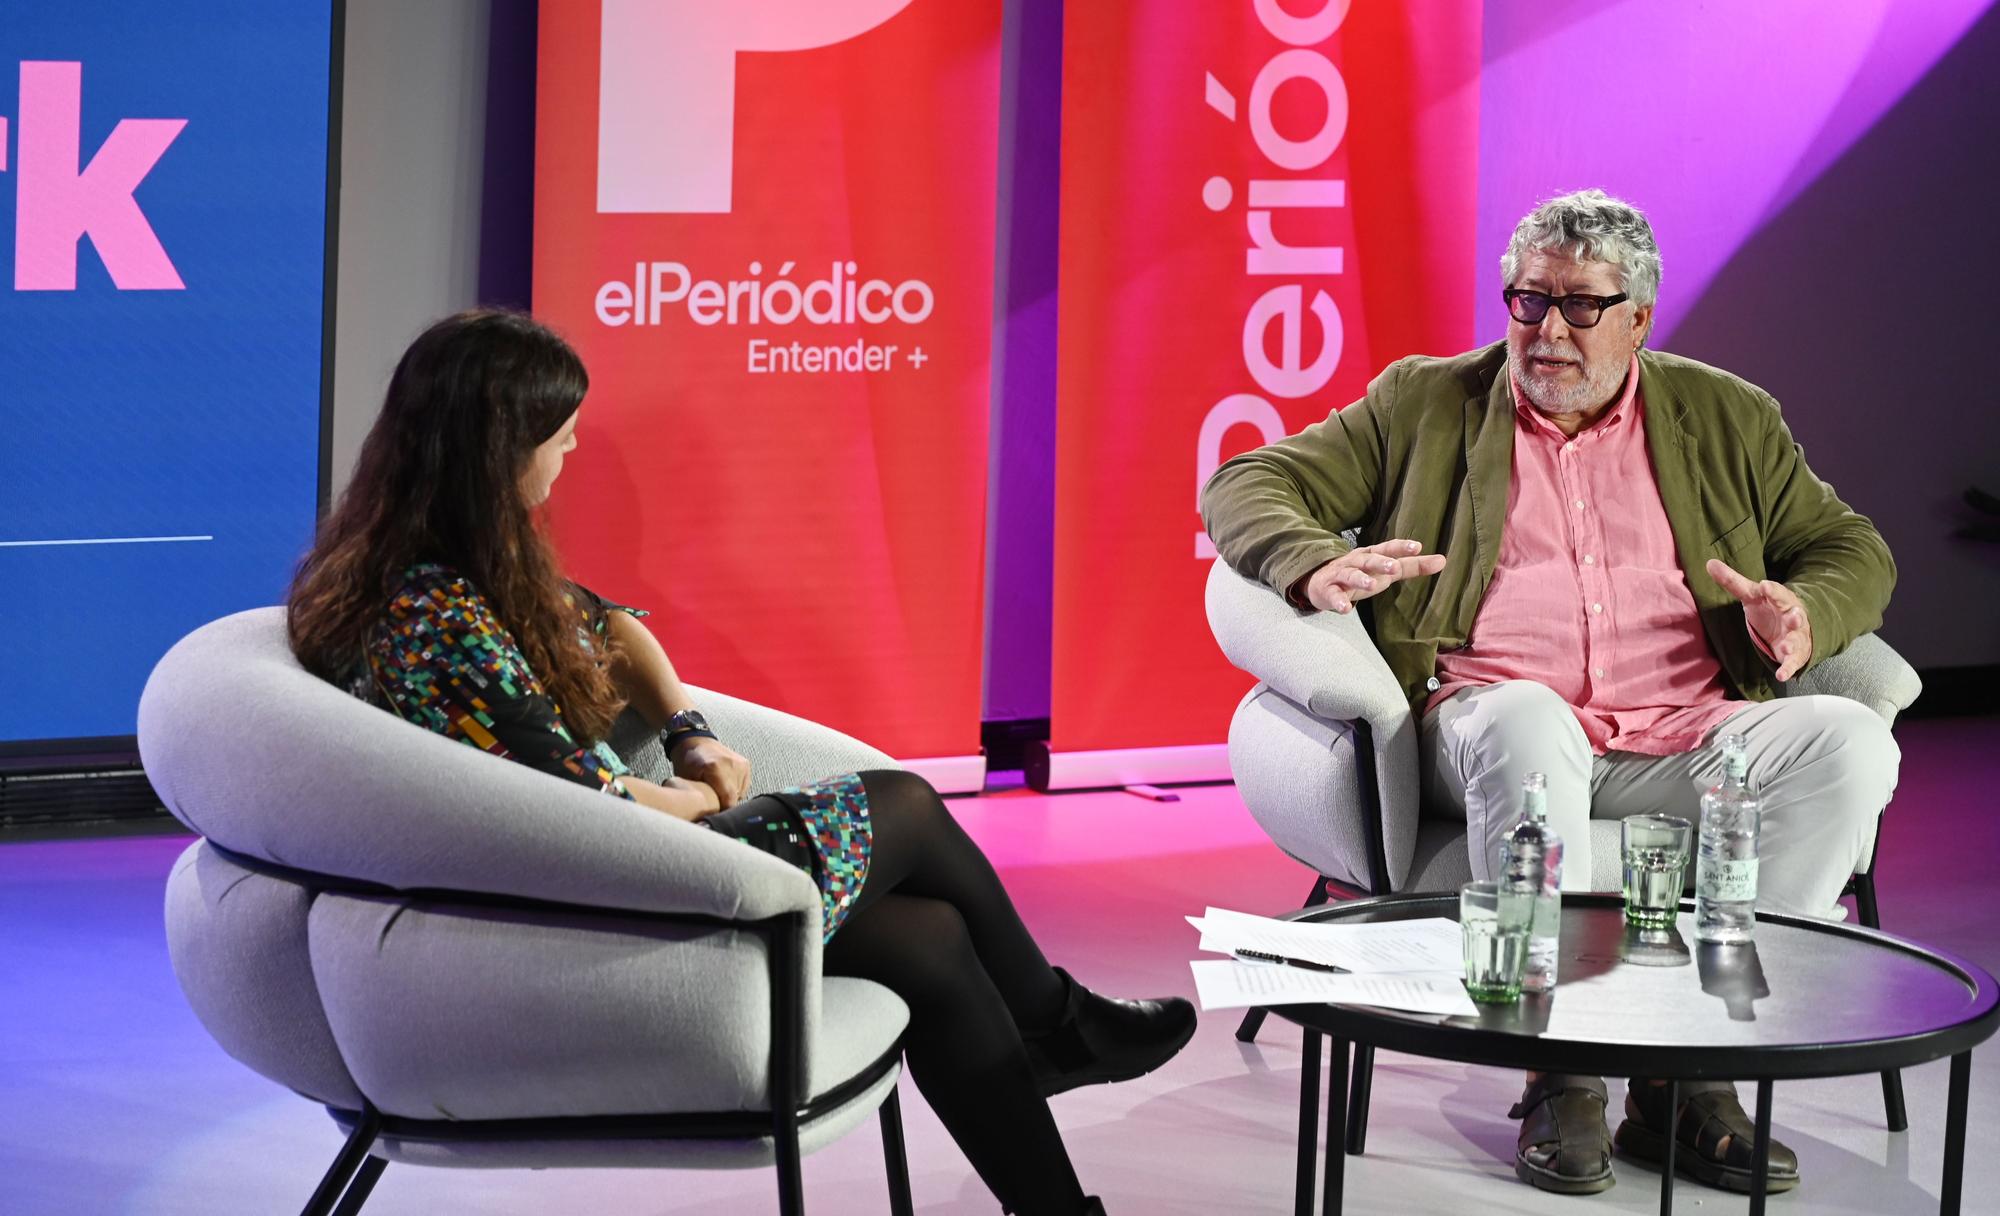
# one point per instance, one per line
(1531, 857)
(1725, 872)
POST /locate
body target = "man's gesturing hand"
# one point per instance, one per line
(1776, 618)
(1360, 573)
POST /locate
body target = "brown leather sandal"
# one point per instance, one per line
(1563, 1146)
(1709, 1113)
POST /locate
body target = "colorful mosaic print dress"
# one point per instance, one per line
(441, 659)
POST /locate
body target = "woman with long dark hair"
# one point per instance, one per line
(431, 592)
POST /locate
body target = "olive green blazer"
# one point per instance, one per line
(1428, 455)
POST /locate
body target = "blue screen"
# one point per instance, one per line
(159, 447)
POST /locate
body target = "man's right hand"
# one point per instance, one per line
(1359, 573)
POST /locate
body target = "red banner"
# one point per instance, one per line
(1263, 205)
(769, 230)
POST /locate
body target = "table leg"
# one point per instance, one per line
(1336, 1117)
(1357, 1099)
(1954, 1133)
(1760, 1160)
(1302, 1196)
(1667, 1167)
(1893, 1112)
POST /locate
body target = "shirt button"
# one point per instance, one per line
(1589, 559)
(1570, 446)
(1597, 607)
(1598, 672)
(1579, 504)
(1432, 685)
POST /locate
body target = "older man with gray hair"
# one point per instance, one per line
(1584, 558)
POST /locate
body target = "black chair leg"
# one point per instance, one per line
(1863, 886)
(1253, 1020)
(791, 1176)
(1893, 1111)
(1334, 1182)
(362, 1186)
(1357, 1099)
(353, 1157)
(896, 1158)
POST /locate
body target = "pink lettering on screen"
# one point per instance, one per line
(57, 204)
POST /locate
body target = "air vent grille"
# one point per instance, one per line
(77, 799)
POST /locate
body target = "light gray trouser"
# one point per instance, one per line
(1824, 767)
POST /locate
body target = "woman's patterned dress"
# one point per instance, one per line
(441, 659)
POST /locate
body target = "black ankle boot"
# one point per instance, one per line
(1101, 1039)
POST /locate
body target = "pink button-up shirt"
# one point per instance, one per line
(1588, 596)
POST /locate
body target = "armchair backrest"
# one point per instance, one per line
(250, 750)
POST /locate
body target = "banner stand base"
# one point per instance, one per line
(1048, 770)
(950, 774)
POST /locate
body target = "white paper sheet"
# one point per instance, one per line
(1430, 944)
(1224, 984)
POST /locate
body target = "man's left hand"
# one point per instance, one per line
(1775, 615)
(716, 765)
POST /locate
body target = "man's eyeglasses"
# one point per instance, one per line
(1580, 311)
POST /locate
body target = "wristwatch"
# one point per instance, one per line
(685, 725)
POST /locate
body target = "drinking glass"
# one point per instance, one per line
(1493, 921)
(1655, 855)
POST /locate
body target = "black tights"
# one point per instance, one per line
(934, 925)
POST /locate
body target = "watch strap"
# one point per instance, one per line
(684, 725)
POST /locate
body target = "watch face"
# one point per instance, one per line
(688, 719)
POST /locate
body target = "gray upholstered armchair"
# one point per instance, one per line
(470, 963)
(1324, 747)
(1324, 752)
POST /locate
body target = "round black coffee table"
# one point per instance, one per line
(1808, 999)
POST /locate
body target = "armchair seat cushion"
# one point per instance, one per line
(237, 939)
(1296, 774)
(465, 1012)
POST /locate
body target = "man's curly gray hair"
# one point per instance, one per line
(1591, 226)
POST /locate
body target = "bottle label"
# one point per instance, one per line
(1726, 881)
(1548, 917)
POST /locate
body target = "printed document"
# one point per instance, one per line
(1225, 984)
(1430, 944)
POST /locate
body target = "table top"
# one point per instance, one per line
(1806, 999)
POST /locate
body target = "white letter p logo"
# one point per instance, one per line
(666, 104)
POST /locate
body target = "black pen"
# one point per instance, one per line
(1259, 956)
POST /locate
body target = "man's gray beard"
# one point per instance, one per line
(1593, 392)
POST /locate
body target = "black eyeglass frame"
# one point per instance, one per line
(1561, 303)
